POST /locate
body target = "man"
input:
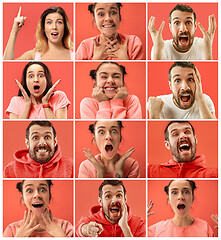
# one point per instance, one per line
(112, 218)
(43, 158)
(184, 45)
(181, 140)
(187, 100)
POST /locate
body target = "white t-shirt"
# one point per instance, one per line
(171, 111)
(170, 53)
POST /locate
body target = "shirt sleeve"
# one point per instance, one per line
(141, 230)
(134, 171)
(67, 228)
(59, 100)
(137, 49)
(92, 109)
(209, 103)
(81, 53)
(9, 231)
(16, 106)
(84, 170)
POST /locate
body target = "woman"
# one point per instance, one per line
(109, 44)
(53, 36)
(38, 220)
(36, 97)
(180, 197)
(110, 99)
(108, 164)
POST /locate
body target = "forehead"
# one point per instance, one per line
(35, 183)
(179, 126)
(181, 71)
(54, 15)
(36, 129)
(35, 68)
(106, 124)
(179, 184)
(105, 6)
(112, 189)
(181, 15)
(109, 68)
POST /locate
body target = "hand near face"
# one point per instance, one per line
(123, 222)
(18, 21)
(120, 163)
(99, 166)
(149, 209)
(50, 226)
(28, 225)
(24, 93)
(154, 106)
(156, 38)
(92, 229)
(208, 37)
(100, 51)
(49, 93)
(121, 53)
(199, 91)
(99, 95)
(121, 93)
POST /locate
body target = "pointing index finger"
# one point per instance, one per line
(19, 12)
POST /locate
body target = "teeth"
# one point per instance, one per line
(110, 89)
(184, 145)
(107, 26)
(42, 150)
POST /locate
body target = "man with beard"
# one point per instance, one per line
(187, 100)
(43, 158)
(184, 45)
(113, 217)
(181, 140)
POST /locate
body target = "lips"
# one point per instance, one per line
(36, 88)
(108, 26)
(54, 34)
(37, 205)
(109, 149)
(184, 146)
(41, 150)
(110, 88)
(181, 207)
(186, 98)
(115, 208)
(183, 39)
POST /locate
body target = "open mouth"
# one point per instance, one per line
(184, 147)
(54, 34)
(108, 26)
(181, 207)
(185, 98)
(37, 205)
(110, 88)
(109, 149)
(183, 40)
(36, 88)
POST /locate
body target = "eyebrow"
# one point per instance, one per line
(33, 71)
(179, 18)
(53, 19)
(38, 132)
(103, 8)
(119, 191)
(107, 73)
(187, 128)
(185, 188)
(177, 75)
(105, 127)
(30, 185)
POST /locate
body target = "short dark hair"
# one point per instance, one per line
(24, 80)
(93, 73)
(166, 133)
(183, 8)
(182, 65)
(92, 127)
(19, 186)
(192, 185)
(112, 183)
(41, 124)
(91, 8)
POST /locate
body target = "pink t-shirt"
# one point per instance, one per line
(134, 49)
(199, 228)
(66, 226)
(130, 170)
(57, 101)
(129, 108)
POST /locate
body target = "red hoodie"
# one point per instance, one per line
(136, 224)
(172, 169)
(25, 167)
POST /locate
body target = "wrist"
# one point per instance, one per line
(46, 105)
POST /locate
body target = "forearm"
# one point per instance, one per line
(208, 54)
(10, 48)
(49, 114)
(127, 231)
(157, 53)
(205, 112)
(26, 111)
(154, 114)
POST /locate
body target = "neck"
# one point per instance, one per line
(109, 163)
(36, 100)
(182, 221)
(111, 37)
(55, 46)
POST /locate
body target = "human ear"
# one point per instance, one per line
(55, 141)
(125, 197)
(170, 27)
(27, 143)
(167, 145)
(170, 85)
(195, 25)
(99, 201)
(196, 139)
(94, 140)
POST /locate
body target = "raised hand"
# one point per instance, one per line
(24, 93)
(99, 166)
(28, 225)
(49, 93)
(156, 38)
(18, 21)
(100, 51)
(155, 106)
(149, 209)
(199, 91)
(121, 52)
(99, 95)
(208, 37)
(121, 93)
(120, 163)
(92, 229)
(50, 226)
(123, 221)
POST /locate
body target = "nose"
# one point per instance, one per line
(41, 142)
(36, 194)
(36, 78)
(110, 80)
(114, 199)
(54, 25)
(182, 135)
(108, 136)
(184, 86)
(180, 196)
(108, 17)
(182, 27)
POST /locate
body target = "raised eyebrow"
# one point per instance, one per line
(33, 71)
(177, 18)
(38, 132)
(53, 19)
(187, 128)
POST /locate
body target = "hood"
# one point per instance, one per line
(199, 161)
(24, 157)
(97, 213)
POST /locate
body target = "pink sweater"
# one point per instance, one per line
(134, 50)
(129, 108)
(66, 226)
(130, 169)
(57, 101)
(199, 228)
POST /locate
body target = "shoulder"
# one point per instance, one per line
(88, 41)
(166, 97)
(17, 99)
(89, 101)
(29, 55)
